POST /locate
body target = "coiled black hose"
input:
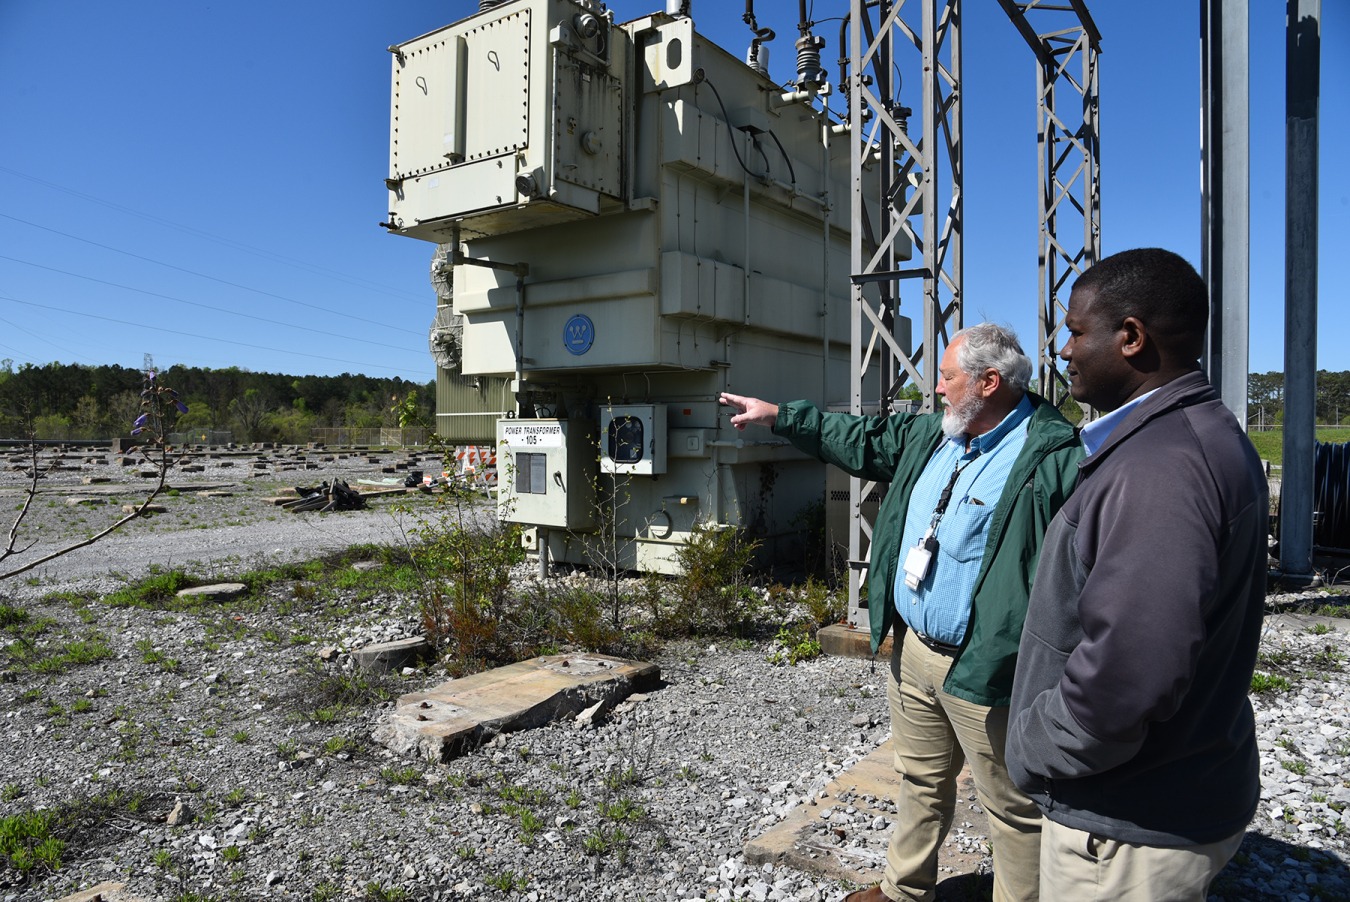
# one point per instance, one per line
(1331, 495)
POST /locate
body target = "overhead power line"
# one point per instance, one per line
(242, 344)
(327, 273)
(204, 276)
(169, 297)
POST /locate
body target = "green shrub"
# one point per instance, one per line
(712, 595)
(1264, 682)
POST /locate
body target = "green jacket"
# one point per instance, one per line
(895, 450)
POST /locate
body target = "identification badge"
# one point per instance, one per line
(918, 560)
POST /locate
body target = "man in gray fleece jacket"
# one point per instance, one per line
(1130, 725)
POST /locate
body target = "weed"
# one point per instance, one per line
(688, 773)
(711, 594)
(405, 776)
(1262, 682)
(240, 736)
(466, 853)
(324, 892)
(81, 705)
(573, 800)
(10, 792)
(163, 859)
(231, 854)
(1319, 629)
(798, 644)
(377, 893)
(602, 841)
(530, 825)
(622, 810)
(236, 796)
(337, 744)
(507, 881)
(1297, 767)
(27, 844)
(287, 750)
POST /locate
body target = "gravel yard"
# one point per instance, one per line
(223, 718)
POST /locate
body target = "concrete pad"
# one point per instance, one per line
(108, 891)
(852, 851)
(216, 592)
(392, 656)
(95, 480)
(845, 642)
(215, 494)
(366, 566)
(80, 499)
(460, 715)
(149, 508)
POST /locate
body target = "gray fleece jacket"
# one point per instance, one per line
(1129, 715)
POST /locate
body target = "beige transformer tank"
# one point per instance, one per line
(633, 221)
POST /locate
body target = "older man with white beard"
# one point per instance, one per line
(954, 550)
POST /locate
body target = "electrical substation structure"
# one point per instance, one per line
(631, 220)
(883, 45)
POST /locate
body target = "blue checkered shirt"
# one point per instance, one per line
(940, 607)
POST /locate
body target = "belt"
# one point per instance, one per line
(941, 647)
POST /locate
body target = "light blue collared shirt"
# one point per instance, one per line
(940, 607)
(1095, 434)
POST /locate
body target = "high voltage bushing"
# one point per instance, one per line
(757, 58)
(809, 72)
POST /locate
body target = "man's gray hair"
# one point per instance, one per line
(991, 346)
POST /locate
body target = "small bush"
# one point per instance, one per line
(1264, 682)
(27, 844)
(712, 595)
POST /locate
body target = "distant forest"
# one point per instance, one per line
(1265, 397)
(68, 400)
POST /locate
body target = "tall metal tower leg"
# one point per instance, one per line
(1225, 181)
(1302, 96)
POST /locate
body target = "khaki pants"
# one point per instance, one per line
(934, 734)
(1077, 866)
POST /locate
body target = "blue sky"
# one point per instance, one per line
(245, 144)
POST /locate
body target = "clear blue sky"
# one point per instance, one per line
(247, 142)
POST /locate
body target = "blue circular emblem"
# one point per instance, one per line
(579, 334)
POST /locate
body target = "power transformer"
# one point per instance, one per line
(629, 221)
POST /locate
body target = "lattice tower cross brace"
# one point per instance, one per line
(873, 259)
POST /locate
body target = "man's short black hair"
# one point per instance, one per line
(1158, 287)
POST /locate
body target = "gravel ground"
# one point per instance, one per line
(210, 534)
(226, 709)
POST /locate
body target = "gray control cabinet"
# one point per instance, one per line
(546, 472)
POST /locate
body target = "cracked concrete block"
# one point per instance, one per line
(463, 714)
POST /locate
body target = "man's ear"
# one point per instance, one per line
(990, 381)
(1133, 337)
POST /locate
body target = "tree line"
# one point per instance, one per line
(1265, 397)
(77, 401)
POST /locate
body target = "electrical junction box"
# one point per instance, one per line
(546, 472)
(510, 119)
(633, 439)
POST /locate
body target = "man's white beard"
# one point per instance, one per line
(959, 414)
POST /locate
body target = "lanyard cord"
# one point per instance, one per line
(946, 497)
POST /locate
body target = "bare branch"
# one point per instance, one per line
(27, 503)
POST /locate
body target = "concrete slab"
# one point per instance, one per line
(80, 499)
(108, 891)
(216, 592)
(460, 715)
(392, 656)
(149, 508)
(845, 642)
(848, 848)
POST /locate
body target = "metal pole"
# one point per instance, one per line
(1225, 181)
(855, 141)
(932, 300)
(1302, 90)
